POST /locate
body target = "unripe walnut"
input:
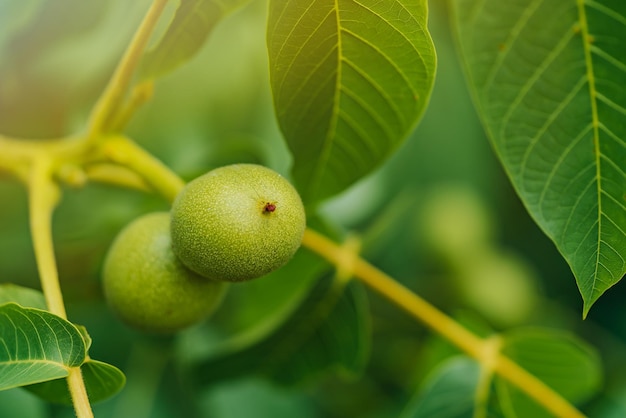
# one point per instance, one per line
(148, 287)
(237, 223)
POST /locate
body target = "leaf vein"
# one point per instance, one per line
(386, 58)
(608, 57)
(601, 97)
(383, 92)
(511, 38)
(369, 110)
(607, 11)
(549, 121)
(290, 63)
(576, 203)
(539, 71)
(557, 165)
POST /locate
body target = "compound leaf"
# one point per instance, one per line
(350, 79)
(547, 78)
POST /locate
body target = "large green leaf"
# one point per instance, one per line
(189, 29)
(330, 330)
(350, 79)
(36, 346)
(548, 80)
(102, 381)
(564, 362)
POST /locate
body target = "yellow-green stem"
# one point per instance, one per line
(104, 112)
(141, 94)
(78, 391)
(44, 195)
(116, 175)
(43, 198)
(125, 152)
(476, 347)
(483, 389)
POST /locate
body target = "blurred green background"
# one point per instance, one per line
(440, 216)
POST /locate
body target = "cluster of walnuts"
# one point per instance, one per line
(168, 270)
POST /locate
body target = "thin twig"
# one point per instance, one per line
(110, 102)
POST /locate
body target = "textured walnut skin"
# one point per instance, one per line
(148, 287)
(237, 223)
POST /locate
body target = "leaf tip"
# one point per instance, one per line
(587, 304)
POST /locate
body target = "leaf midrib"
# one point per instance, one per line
(595, 123)
(332, 126)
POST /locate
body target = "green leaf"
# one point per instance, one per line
(547, 78)
(23, 296)
(449, 392)
(36, 346)
(193, 22)
(330, 330)
(562, 361)
(102, 381)
(350, 79)
(246, 308)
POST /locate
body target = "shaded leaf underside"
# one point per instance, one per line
(548, 77)
(350, 79)
(329, 331)
(102, 381)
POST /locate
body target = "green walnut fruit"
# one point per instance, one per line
(237, 223)
(146, 284)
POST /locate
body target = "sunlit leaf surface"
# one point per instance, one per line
(36, 346)
(350, 79)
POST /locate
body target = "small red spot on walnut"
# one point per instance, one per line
(269, 207)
